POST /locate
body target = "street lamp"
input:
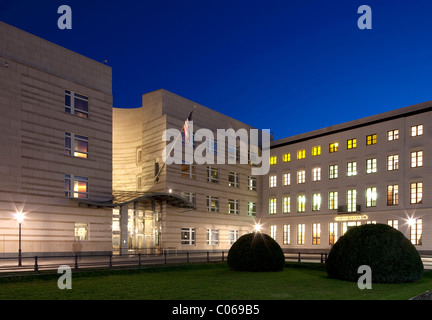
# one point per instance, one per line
(19, 216)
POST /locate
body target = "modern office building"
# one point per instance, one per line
(371, 170)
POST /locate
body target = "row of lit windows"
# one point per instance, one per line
(188, 236)
(371, 139)
(416, 230)
(416, 197)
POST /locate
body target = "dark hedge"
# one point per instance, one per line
(391, 256)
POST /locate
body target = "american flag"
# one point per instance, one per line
(186, 130)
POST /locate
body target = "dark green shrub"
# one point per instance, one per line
(390, 255)
(256, 252)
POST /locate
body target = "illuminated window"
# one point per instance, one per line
(187, 236)
(76, 104)
(333, 200)
(371, 139)
(212, 174)
(81, 231)
(286, 205)
(417, 130)
(334, 147)
(316, 174)
(212, 237)
(301, 233)
(233, 206)
(352, 169)
(272, 206)
(371, 165)
(251, 209)
(416, 159)
(233, 179)
(301, 203)
(286, 179)
(273, 181)
(393, 195)
(352, 200)
(351, 143)
(286, 234)
(393, 135)
(301, 176)
(301, 154)
(316, 151)
(393, 223)
(286, 157)
(212, 204)
(76, 187)
(316, 233)
(188, 170)
(349, 224)
(316, 202)
(393, 162)
(371, 197)
(416, 230)
(416, 192)
(333, 171)
(273, 231)
(233, 236)
(76, 145)
(273, 160)
(252, 183)
(333, 232)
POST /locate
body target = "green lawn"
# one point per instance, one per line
(206, 282)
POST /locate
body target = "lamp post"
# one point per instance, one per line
(19, 216)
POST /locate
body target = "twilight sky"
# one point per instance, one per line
(288, 66)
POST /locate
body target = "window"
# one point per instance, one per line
(188, 170)
(81, 231)
(393, 135)
(286, 177)
(371, 165)
(333, 232)
(417, 130)
(416, 159)
(371, 197)
(273, 231)
(416, 192)
(211, 146)
(333, 147)
(233, 236)
(301, 154)
(272, 206)
(301, 233)
(351, 143)
(212, 204)
(76, 145)
(286, 157)
(393, 162)
(286, 205)
(273, 160)
(333, 171)
(416, 230)
(233, 179)
(212, 237)
(213, 174)
(301, 176)
(316, 174)
(352, 169)
(251, 209)
(189, 196)
(76, 104)
(252, 183)
(352, 200)
(333, 200)
(393, 195)
(316, 151)
(286, 233)
(233, 206)
(316, 233)
(76, 187)
(393, 223)
(188, 236)
(301, 203)
(139, 155)
(316, 202)
(272, 181)
(371, 139)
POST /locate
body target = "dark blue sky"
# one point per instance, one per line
(288, 66)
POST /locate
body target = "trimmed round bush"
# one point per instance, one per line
(256, 252)
(390, 255)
